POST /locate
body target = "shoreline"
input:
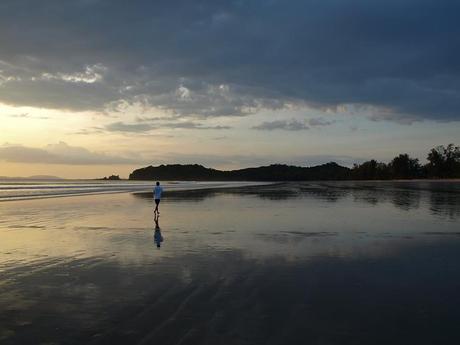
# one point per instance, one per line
(215, 186)
(237, 184)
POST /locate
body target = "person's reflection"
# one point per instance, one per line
(157, 238)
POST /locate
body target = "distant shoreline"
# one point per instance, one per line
(281, 181)
(88, 189)
(26, 179)
(401, 168)
(216, 186)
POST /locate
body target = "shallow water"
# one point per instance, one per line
(20, 189)
(294, 263)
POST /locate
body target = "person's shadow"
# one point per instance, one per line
(157, 237)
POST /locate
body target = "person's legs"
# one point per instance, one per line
(157, 202)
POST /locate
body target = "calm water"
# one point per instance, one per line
(309, 263)
(11, 189)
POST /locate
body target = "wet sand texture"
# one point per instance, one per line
(308, 263)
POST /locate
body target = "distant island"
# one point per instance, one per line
(443, 162)
(34, 177)
(111, 178)
(275, 172)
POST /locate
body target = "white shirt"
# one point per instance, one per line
(157, 192)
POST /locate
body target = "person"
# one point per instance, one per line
(157, 196)
(157, 237)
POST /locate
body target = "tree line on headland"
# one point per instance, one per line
(443, 162)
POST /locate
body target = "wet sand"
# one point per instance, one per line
(293, 263)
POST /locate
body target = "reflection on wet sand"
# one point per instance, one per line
(444, 198)
(157, 237)
(275, 191)
(327, 263)
(445, 204)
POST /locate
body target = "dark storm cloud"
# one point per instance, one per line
(215, 57)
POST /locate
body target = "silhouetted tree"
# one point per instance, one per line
(404, 167)
(371, 170)
(444, 161)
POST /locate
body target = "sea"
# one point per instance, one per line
(21, 189)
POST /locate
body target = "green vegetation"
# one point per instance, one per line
(275, 172)
(443, 162)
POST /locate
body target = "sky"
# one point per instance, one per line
(90, 88)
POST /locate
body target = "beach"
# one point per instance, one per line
(283, 263)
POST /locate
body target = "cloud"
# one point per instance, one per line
(90, 75)
(191, 125)
(222, 137)
(129, 127)
(319, 122)
(227, 58)
(58, 94)
(28, 116)
(146, 127)
(60, 153)
(291, 125)
(383, 115)
(88, 131)
(22, 115)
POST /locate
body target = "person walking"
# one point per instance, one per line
(157, 196)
